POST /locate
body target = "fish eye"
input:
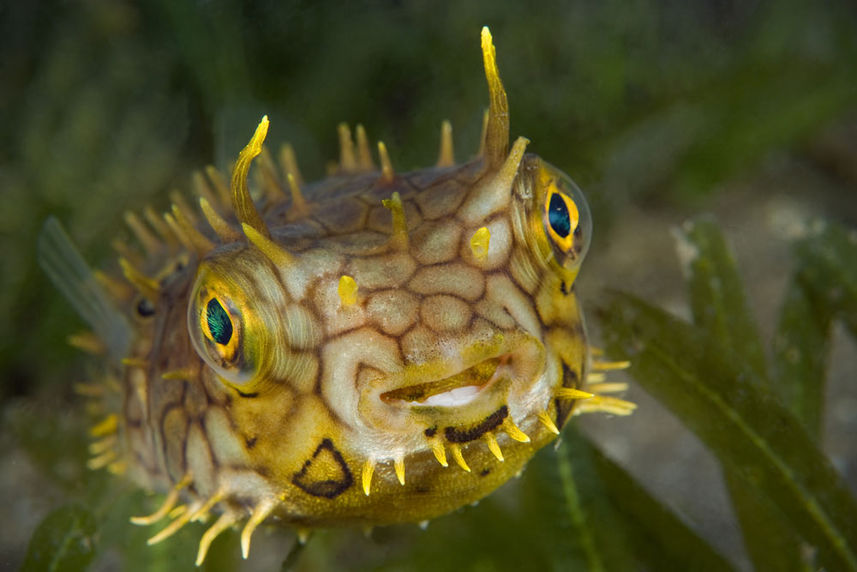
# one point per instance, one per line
(562, 215)
(567, 222)
(218, 322)
(220, 332)
(145, 308)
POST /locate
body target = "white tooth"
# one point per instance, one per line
(453, 397)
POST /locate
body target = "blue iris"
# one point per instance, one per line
(219, 323)
(558, 216)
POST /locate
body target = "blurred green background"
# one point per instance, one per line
(659, 110)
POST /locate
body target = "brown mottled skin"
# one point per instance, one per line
(418, 309)
(259, 382)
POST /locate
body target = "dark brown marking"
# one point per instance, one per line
(563, 287)
(250, 441)
(431, 431)
(325, 474)
(484, 472)
(247, 395)
(570, 375)
(454, 435)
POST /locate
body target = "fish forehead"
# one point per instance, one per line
(436, 280)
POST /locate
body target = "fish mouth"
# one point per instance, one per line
(476, 382)
(456, 390)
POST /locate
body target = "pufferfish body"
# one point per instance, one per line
(373, 348)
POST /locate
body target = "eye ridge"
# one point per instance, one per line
(219, 322)
(558, 216)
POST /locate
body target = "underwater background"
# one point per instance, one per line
(660, 111)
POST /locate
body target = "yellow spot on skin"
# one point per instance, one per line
(134, 362)
(347, 290)
(303, 535)
(494, 446)
(479, 243)
(366, 477)
(459, 458)
(571, 393)
(548, 422)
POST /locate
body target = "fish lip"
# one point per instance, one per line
(478, 376)
(491, 371)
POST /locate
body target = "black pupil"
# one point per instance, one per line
(558, 216)
(219, 323)
(145, 308)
